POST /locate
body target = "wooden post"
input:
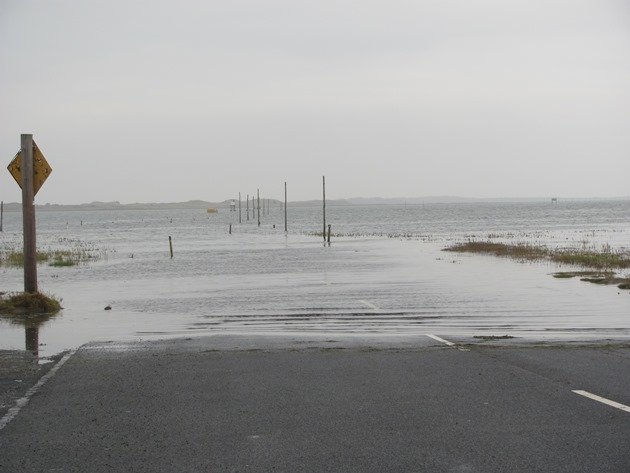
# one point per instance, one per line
(230, 230)
(1, 214)
(324, 205)
(328, 234)
(28, 215)
(258, 198)
(247, 209)
(285, 206)
(239, 208)
(170, 245)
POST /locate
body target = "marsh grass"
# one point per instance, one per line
(23, 303)
(600, 264)
(604, 260)
(69, 257)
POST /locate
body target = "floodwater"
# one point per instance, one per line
(383, 275)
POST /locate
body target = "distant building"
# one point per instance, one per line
(232, 205)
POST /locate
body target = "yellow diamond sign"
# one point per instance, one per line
(41, 168)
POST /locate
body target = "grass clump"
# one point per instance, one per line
(24, 303)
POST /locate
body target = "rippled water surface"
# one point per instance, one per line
(384, 273)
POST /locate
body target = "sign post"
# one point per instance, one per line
(29, 169)
(28, 215)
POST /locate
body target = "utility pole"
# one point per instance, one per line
(285, 206)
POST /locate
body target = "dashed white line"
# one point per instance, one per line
(446, 342)
(435, 337)
(369, 304)
(603, 400)
(23, 401)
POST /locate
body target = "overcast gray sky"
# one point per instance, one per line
(176, 100)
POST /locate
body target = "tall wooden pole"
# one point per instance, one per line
(324, 205)
(258, 198)
(1, 214)
(285, 206)
(28, 215)
(247, 209)
(239, 208)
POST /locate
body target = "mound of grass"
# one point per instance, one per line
(24, 303)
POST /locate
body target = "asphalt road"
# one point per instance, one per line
(238, 405)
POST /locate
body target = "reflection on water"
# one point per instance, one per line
(31, 335)
(31, 324)
(259, 280)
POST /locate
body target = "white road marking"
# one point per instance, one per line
(603, 400)
(23, 401)
(434, 337)
(450, 344)
(369, 304)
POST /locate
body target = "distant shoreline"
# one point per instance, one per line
(201, 204)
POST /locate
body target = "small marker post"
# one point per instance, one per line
(324, 205)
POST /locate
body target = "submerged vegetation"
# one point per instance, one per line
(606, 278)
(600, 264)
(23, 303)
(74, 253)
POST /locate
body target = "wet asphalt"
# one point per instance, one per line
(227, 404)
